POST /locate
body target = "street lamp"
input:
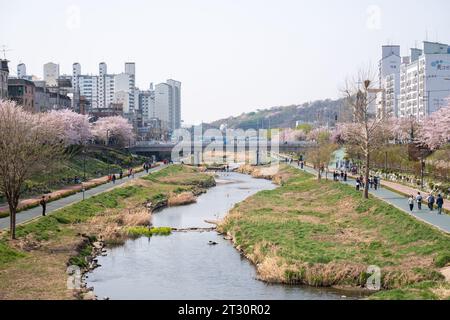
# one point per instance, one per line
(84, 163)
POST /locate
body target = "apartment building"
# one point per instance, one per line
(415, 85)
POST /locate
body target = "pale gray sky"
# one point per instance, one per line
(231, 55)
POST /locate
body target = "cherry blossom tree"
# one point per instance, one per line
(73, 128)
(292, 135)
(337, 135)
(28, 145)
(405, 130)
(435, 129)
(320, 133)
(116, 129)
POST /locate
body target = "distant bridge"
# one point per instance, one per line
(164, 150)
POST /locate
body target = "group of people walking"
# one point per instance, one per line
(373, 182)
(431, 201)
(340, 176)
(301, 164)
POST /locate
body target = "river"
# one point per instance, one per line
(184, 266)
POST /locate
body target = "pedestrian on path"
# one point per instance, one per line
(130, 172)
(345, 176)
(43, 204)
(375, 183)
(121, 175)
(361, 182)
(440, 203)
(419, 200)
(431, 201)
(114, 179)
(411, 203)
(358, 184)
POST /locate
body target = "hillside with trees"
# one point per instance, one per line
(320, 112)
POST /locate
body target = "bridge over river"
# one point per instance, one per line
(164, 150)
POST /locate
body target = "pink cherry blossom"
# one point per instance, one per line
(435, 129)
(113, 128)
(73, 128)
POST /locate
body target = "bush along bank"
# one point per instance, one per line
(323, 234)
(35, 265)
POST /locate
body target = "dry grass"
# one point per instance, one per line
(181, 199)
(41, 275)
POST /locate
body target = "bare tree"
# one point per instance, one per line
(321, 155)
(27, 146)
(367, 132)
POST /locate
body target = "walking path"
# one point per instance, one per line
(64, 192)
(441, 222)
(30, 214)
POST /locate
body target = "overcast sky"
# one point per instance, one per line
(231, 55)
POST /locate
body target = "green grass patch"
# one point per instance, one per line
(136, 232)
(8, 255)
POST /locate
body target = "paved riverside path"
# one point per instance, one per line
(441, 222)
(36, 212)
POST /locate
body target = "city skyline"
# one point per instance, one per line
(244, 60)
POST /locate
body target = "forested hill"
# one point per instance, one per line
(322, 112)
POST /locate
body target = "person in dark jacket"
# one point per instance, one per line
(43, 204)
(440, 203)
(431, 202)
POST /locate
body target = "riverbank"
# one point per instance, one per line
(34, 266)
(323, 234)
(95, 164)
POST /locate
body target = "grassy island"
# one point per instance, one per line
(324, 234)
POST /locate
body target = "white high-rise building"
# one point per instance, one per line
(389, 80)
(124, 85)
(168, 104)
(21, 71)
(162, 103)
(106, 83)
(175, 104)
(425, 80)
(416, 85)
(147, 105)
(51, 74)
(76, 72)
(105, 89)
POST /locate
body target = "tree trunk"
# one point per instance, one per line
(319, 175)
(12, 222)
(13, 203)
(367, 173)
